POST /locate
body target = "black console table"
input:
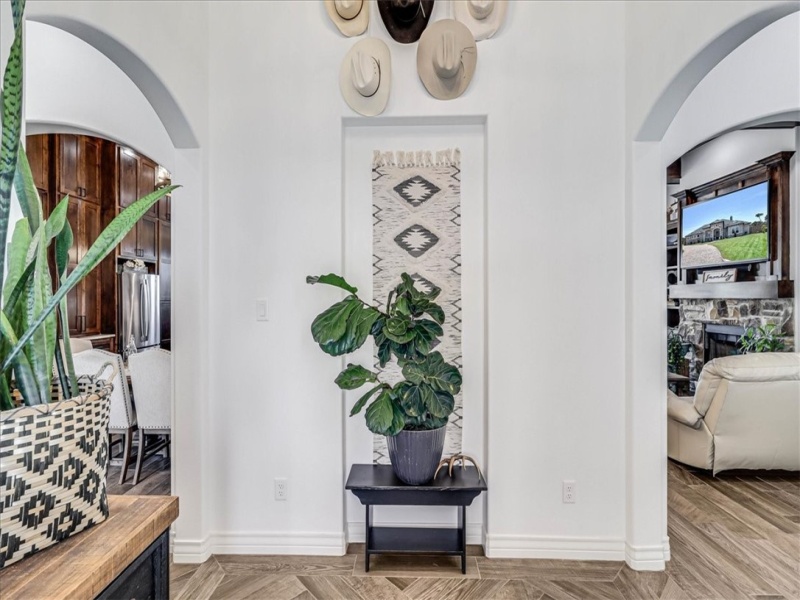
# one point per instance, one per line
(378, 485)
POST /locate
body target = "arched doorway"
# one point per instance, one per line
(704, 99)
(178, 147)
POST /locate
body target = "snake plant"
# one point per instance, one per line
(408, 331)
(30, 304)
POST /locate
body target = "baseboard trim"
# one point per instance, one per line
(567, 548)
(191, 551)
(263, 542)
(647, 558)
(356, 530)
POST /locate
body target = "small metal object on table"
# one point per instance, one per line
(378, 485)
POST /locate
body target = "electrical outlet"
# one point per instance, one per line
(262, 309)
(568, 492)
(281, 488)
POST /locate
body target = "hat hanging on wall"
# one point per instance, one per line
(351, 17)
(405, 20)
(446, 59)
(366, 76)
(482, 17)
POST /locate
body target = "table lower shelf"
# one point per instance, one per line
(415, 540)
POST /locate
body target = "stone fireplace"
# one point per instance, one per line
(725, 321)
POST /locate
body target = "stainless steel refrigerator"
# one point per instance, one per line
(140, 318)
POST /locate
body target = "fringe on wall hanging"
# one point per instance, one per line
(421, 158)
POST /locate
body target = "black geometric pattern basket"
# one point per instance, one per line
(53, 466)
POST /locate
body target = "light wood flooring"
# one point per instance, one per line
(736, 536)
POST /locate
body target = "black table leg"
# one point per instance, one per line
(367, 535)
(462, 526)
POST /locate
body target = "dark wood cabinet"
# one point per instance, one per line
(165, 208)
(142, 241)
(78, 167)
(147, 182)
(37, 148)
(128, 177)
(84, 300)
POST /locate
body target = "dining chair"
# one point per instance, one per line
(151, 378)
(123, 416)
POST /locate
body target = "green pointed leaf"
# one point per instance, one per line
(57, 219)
(11, 128)
(17, 256)
(64, 241)
(354, 376)
(334, 280)
(364, 399)
(380, 414)
(110, 237)
(398, 420)
(25, 380)
(27, 194)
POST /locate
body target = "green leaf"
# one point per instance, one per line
(334, 280)
(398, 420)
(436, 312)
(41, 350)
(110, 237)
(401, 306)
(357, 326)
(17, 256)
(399, 329)
(11, 128)
(433, 370)
(364, 399)
(380, 414)
(27, 194)
(330, 326)
(57, 219)
(25, 380)
(411, 397)
(64, 241)
(440, 404)
(354, 376)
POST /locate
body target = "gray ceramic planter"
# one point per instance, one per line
(416, 454)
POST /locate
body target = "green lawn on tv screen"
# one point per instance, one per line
(746, 247)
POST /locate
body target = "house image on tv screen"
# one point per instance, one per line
(719, 230)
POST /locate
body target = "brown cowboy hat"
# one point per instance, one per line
(405, 20)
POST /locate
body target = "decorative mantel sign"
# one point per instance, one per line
(719, 276)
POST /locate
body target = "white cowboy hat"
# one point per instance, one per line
(366, 76)
(350, 16)
(483, 17)
(446, 59)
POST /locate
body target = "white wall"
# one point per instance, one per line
(560, 320)
(278, 178)
(68, 82)
(731, 152)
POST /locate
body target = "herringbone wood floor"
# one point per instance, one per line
(736, 536)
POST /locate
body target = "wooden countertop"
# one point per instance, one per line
(83, 566)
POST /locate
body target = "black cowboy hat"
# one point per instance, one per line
(405, 20)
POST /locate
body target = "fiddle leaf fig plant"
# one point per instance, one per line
(406, 331)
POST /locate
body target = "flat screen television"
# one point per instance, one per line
(729, 230)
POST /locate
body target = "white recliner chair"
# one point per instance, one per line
(745, 414)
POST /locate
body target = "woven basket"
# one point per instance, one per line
(53, 465)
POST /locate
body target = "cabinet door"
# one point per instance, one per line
(90, 169)
(147, 238)
(147, 183)
(68, 165)
(128, 177)
(128, 246)
(165, 208)
(164, 241)
(91, 293)
(37, 149)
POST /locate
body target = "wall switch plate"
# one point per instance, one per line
(262, 309)
(568, 492)
(281, 488)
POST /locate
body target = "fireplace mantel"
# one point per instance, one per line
(755, 290)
